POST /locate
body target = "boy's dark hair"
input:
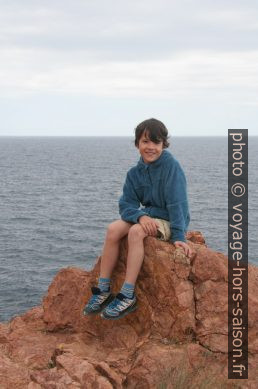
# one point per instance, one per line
(156, 131)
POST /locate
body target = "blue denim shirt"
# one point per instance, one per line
(157, 189)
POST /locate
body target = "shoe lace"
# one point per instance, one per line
(118, 304)
(113, 303)
(96, 299)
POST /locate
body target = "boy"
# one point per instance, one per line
(158, 183)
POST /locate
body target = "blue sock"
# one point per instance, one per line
(127, 290)
(104, 284)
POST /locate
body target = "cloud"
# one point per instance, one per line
(183, 52)
(186, 74)
(129, 30)
(126, 49)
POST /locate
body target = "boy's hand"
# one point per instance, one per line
(149, 225)
(185, 247)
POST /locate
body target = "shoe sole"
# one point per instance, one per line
(102, 306)
(130, 309)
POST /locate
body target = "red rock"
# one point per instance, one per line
(164, 275)
(195, 237)
(53, 378)
(12, 374)
(177, 335)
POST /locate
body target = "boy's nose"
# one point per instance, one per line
(151, 147)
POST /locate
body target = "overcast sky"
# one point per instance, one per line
(100, 67)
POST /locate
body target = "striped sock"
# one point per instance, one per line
(127, 290)
(104, 284)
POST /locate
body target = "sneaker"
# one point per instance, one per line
(119, 307)
(98, 301)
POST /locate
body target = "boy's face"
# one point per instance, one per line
(149, 150)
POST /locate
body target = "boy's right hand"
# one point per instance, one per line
(149, 225)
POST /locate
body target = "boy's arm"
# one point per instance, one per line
(129, 203)
(177, 203)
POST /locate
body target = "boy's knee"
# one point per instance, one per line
(136, 232)
(116, 230)
(112, 230)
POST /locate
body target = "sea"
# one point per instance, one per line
(59, 194)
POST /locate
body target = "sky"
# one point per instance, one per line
(99, 68)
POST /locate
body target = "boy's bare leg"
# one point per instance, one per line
(126, 301)
(115, 232)
(135, 256)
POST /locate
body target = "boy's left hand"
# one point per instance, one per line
(185, 247)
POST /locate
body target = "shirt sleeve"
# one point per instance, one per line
(177, 203)
(129, 203)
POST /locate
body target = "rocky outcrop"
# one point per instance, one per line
(177, 336)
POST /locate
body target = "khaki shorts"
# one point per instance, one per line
(164, 232)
